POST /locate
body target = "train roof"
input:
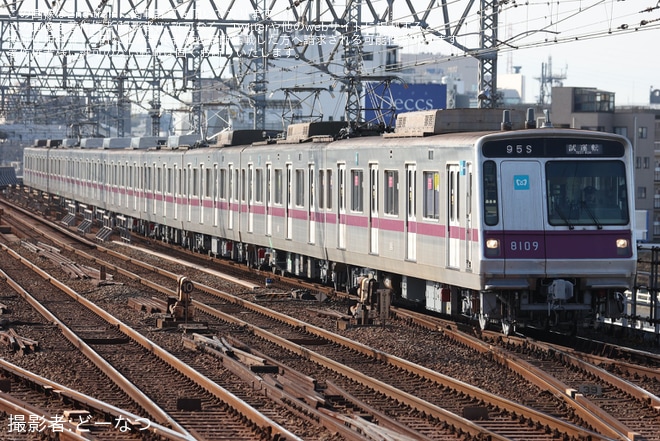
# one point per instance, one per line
(432, 128)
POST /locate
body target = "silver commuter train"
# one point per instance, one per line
(510, 227)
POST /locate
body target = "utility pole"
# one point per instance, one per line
(487, 54)
(548, 79)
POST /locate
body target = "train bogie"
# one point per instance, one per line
(491, 225)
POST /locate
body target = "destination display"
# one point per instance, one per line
(552, 147)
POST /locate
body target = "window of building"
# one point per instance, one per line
(642, 132)
(623, 131)
(592, 100)
(641, 192)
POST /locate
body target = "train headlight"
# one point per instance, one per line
(622, 247)
(492, 247)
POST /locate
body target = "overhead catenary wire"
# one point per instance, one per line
(545, 19)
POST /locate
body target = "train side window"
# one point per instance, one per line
(312, 187)
(328, 187)
(321, 189)
(222, 184)
(236, 184)
(357, 199)
(259, 185)
(277, 197)
(250, 183)
(491, 210)
(431, 195)
(392, 192)
(208, 183)
(184, 182)
(300, 187)
(148, 179)
(244, 185)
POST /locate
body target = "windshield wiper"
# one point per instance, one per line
(591, 215)
(564, 218)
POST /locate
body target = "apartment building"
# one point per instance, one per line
(594, 109)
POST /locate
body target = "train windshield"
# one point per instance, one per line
(586, 193)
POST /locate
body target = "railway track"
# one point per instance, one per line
(613, 396)
(313, 341)
(123, 356)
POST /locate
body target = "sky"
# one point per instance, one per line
(625, 61)
(593, 43)
(608, 44)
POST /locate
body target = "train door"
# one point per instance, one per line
(269, 199)
(311, 206)
(200, 185)
(373, 210)
(468, 215)
(189, 192)
(154, 187)
(411, 212)
(167, 188)
(113, 181)
(122, 185)
(288, 204)
(522, 212)
(145, 186)
(232, 201)
(216, 194)
(250, 197)
(341, 206)
(453, 216)
(177, 190)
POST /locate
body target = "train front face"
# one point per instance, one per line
(557, 217)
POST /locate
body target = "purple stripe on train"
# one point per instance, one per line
(556, 244)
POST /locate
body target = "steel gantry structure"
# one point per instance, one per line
(87, 57)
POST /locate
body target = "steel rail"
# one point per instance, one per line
(129, 388)
(585, 409)
(88, 401)
(241, 406)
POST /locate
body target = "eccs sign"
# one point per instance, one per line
(410, 98)
(411, 104)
